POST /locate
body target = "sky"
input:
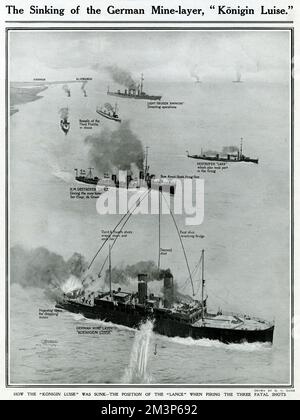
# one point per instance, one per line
(160, 55)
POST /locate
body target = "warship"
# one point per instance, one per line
(134, 92)
(171, 315)
(107, 111)
(142, 181)
(65, 125)
(221, 157)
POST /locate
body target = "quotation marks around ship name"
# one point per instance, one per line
(244, 11)
(88, 124)
(211, 167)
(163, 105)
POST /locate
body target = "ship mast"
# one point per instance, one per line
(142, 79)
(90, 174)
(159, 228)
(241, 147)
(109, 269)
(203, 283)
(146, 162)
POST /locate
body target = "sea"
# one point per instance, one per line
(245, 232)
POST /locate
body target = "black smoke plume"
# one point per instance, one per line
(64, 113)
(67, 90)
(230, 149)
(195, 75)
(115, 149)
(83, 87)
(121, 76)
(42, 268)
(123, 275)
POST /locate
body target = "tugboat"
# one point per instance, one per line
(107, 111)
(171, 315)
(229, 157)
(134, 92)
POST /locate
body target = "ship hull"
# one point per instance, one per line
(133, 317)
(109, 117)
(212, 159)
(146, 97)
(87, 180)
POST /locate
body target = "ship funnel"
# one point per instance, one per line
(168, 290)
(142, 288)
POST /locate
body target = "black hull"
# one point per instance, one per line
(165, 188)
(109, 117)
(212, 159)
(87, 180)
(165, 325)
(146, 97)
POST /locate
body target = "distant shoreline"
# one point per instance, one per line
(19, 95)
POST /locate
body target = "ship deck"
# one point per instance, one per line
(238, 322)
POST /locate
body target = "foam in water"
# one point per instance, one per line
(137, 369)
(248, 347)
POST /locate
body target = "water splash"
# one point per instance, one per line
(137, 369)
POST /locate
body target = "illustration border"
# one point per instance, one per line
(159, 28)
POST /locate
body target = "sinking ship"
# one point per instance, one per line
(65, 125)
(107, 111)
(142, 181)
(171, 315)
(134, 92)
(221, 157)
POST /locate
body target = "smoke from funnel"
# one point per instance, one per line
(195, 75)
(122, 77)
(230, 149)
(115, 149)
(123, 275)
(64, 113)
(67, 89)
(83, 87)
(109, 107)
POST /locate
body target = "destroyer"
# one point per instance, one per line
(144, 180)
(134, 92)
(236, 156)
(172, 314)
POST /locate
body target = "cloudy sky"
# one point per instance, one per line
(160, 55)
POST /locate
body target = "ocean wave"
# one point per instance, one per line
(205, 342)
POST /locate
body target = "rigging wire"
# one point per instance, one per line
(193, 272)
(120, 221)
(183, 249)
